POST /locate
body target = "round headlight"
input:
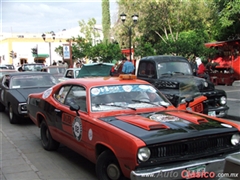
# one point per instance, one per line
(235, 140)
(205, 84)
(144, 154)
(223, 100)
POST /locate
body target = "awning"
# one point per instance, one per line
(41, 55)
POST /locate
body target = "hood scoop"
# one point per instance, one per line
(143, 122)
(193, 118)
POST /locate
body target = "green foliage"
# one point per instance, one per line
(106, 52)
(106, 22)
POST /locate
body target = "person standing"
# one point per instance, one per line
(54, 63)
(128, 66)
(201, 72)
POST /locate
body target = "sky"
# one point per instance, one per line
(40, 16)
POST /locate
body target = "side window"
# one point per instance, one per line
(77, 95)
(62, 93)
(69, 74)
(6, 81)
(150, 70)
(142, 68)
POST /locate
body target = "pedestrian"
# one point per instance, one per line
(78, 65)
(54, 63)
(201, 72)
(114, 68)
(128, 66)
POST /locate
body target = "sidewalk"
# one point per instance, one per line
(14, 165)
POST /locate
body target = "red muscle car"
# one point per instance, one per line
(129, 129)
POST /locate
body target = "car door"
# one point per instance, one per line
(68, 121)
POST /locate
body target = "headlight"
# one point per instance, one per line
(223, 100)
(144, 154)
(205, 83)
(22, 108)
(235, 140)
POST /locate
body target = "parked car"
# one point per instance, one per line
(15, 88)
(88, 70)
(10, 66)
(6, 71)
(166, 72)
(3, 67)
(128, 128)
(33, 66)
(56, 71)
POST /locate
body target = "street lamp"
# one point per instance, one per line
(49, 42)
(135, 19)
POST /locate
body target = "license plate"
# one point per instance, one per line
(197, 169)
(212, 113)
(194, 172)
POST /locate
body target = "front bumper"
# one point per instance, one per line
(220, 111)
(180, 170)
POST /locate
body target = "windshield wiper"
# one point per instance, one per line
(135, 100)
(178, 73)
(113, 105)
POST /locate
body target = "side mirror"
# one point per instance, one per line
(75, 108)
(188, 100)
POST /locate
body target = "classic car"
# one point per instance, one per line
(128, 128)
(166, 72)
(33, 66)
(15, 88)
(6, 71)
(88, 70)
(56, 71)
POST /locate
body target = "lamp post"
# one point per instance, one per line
(49, 42)
(135, 19)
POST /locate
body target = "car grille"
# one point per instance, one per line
(190, 149)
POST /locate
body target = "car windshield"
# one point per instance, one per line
(132, 96)
(171, 68)
(57, 70)
(33, 67)
(30, 81)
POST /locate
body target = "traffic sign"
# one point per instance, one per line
(66, 51)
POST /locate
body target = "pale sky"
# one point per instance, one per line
(39, 16)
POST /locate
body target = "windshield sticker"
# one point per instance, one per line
(164, 118)
(77, 128)
(127, 88)
(90, 134)
(95, 91)
(47, 93)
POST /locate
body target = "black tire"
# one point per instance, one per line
(48, 142)
(2, 107)
(107, 167)
(13, 118)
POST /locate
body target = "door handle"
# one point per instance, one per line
(57, 110)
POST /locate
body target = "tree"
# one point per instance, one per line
(106, 22)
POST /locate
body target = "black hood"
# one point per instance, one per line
(22, 94)
(168, 126)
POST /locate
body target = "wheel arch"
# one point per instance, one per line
(40, 119)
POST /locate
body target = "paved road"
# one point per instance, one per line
(23, 158)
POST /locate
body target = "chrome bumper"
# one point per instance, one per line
(179, 170)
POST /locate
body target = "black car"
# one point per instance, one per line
(15, 88)
(167, 72)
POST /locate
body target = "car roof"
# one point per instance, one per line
(8, 70)
(46, 67)
(101, 81)
(29, 72)
(164, 58)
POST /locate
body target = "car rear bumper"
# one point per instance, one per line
(213, 166)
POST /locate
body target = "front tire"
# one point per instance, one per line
(12, 116)
(48, 142)
(107, 167)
